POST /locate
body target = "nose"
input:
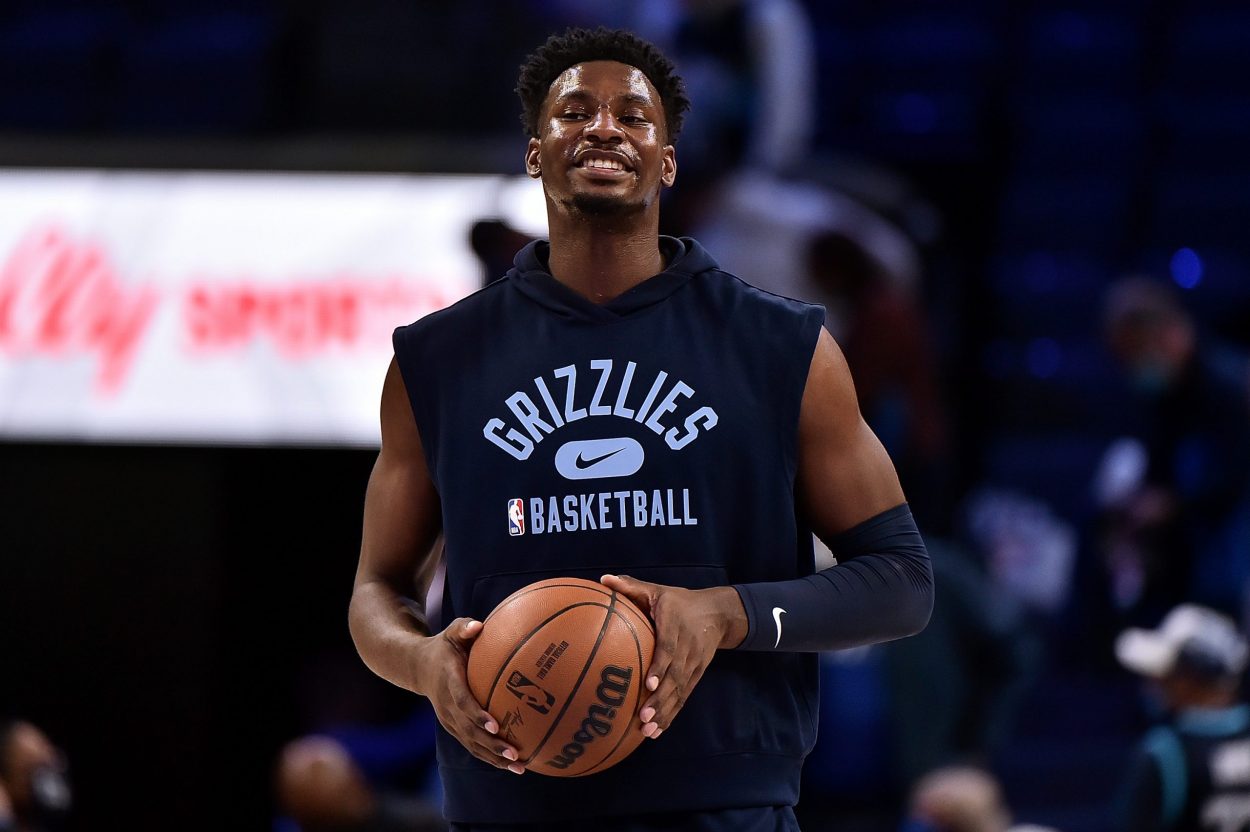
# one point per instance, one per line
(604, 127)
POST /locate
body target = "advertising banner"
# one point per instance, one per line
(234, 308)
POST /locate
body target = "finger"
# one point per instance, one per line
(661, 662)
(462, 631)
(486, 746)
(478, 727)
(477, 740)
(669, 699)
(641, 593)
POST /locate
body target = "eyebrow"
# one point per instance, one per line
(629, 98)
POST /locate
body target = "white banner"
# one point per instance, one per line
(225, 307)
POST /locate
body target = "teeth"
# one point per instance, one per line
(603, 164)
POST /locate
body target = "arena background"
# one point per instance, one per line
(180, 517)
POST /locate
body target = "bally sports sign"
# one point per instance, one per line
(225, 307)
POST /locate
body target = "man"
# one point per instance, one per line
(1194, 773)
(618, 404)
(34, 792)
(1183, 531)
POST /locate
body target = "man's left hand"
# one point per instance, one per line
(690, 626)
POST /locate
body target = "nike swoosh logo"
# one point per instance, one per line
(581, 463)
(777, 611)
(597, 459)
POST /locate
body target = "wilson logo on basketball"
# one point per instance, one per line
(529, 692)
(614, 684)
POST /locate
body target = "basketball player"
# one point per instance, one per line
(1193, 773)
(619, 406)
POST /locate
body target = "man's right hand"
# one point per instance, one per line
(441, 678)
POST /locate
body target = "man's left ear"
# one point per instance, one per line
(668, 173)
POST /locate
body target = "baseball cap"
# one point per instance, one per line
(1191, 638)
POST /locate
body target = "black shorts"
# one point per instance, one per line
(755, 819)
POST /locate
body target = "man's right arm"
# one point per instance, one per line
(401, 524)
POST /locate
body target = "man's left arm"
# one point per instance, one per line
(848, 491)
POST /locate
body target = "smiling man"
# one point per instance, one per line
(618, 407)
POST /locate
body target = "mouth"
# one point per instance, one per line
(598, 163)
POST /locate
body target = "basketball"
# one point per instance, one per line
(559, 664)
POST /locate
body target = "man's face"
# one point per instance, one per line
(602, 146)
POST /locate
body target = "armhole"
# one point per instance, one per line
(402, 344)
(811, 320)
(1164, 747)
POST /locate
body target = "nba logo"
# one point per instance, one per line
(516, 518)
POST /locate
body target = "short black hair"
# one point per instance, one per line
(575, 46)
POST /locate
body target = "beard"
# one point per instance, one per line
(597, 205)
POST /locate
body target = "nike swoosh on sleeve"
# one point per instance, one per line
(777, 611)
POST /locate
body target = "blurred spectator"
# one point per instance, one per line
(891, 356)
(956, 687)
(495, 243)
(762, 226)
(361, 779)
(358, 773)
(1194, 772)
(34, 791)
(1180, 528)
(751, 66)
(1029, 550)
(960, 799)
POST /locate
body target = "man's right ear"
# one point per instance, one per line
(532, 167)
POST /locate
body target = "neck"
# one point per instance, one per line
(603, 257)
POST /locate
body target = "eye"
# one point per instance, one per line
(571, 115)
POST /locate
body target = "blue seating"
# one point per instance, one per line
(1085, 213)
(1081, 50)
(209, 73)
(1078, 133)
(1196, 207)
(53, 61)
(1209, 52)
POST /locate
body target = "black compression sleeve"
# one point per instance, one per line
(881, 589)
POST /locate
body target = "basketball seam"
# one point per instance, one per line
(577, 686)
(521, 593)
(637, 699)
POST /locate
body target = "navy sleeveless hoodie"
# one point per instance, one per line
(655, 436)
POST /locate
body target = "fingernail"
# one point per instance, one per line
(656, 735)
(647, 714)
(653, 682)
(508, 754)
(491, 727)
(649, 729)
(516, 768)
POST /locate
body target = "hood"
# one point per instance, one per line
(684, 256)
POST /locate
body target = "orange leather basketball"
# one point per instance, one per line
(560, 665)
